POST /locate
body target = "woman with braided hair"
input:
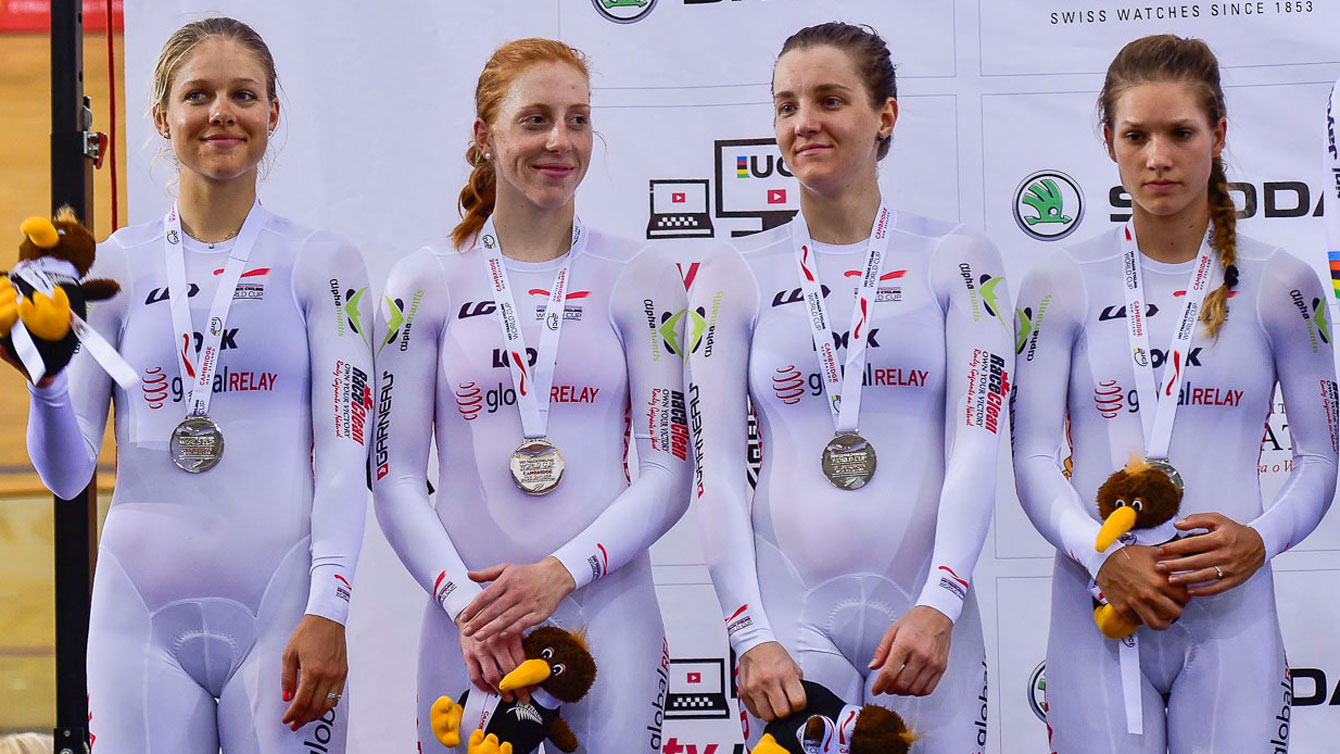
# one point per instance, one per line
(1182, 371)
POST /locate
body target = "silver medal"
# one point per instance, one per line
(848, 461)
(537, 466)
(1169, 469)
(196, 444)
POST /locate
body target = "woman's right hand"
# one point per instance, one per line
(488, 661)
(770, 682)
(1132, 584)
(9, 315)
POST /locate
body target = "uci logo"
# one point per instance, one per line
(624, 11)
(1048, 205)
(173, 238)
(489, 241)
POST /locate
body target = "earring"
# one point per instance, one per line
(488, 155)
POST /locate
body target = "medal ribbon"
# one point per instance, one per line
(197, 377)
(1156, 424)
(32, 273)
(842, 386)
(532, 385)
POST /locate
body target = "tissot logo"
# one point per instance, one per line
(624, 11)
(1048, 205)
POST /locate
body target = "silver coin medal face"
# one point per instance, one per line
(196, 444)
(1170, 470)
(537, 466)
(848, 461)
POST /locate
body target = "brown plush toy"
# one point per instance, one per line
(1141, 498)
(62, 250)
(560, 667)
(827, 724)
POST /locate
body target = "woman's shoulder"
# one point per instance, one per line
(430, 262)
(299, 237)
(1094, 249)
(931, 228)
(134, 236)
(761, 245)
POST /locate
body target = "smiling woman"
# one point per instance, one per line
(223, 578)
(495, 558)
(850, 567)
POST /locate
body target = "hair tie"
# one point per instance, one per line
(1231, 276)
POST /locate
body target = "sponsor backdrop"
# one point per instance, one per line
(997, 130)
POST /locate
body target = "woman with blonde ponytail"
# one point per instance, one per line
(1181, 371)
(540, 348)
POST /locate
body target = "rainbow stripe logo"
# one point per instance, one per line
(1335, 271)
(742, 166)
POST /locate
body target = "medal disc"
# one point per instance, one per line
(196, 444)
(848, 461)
(1170, 470)
(537, 466)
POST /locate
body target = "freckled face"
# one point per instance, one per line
(541, 138)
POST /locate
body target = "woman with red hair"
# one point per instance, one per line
(533, 341)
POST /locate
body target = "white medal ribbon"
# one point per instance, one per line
(1128, 650)
(197, 376)
(842, 386)
(531, 385)
(1162, 398)
(33, 273)
(1158, 424)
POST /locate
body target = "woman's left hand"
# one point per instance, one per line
(1227, 555)
(315, 666)
(914, 653)
(520, 596)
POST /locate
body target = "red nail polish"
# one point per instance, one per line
(288, 696)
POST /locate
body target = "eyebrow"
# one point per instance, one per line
(545, 108)
(1129, 123)
(822, 88)
(234, 82)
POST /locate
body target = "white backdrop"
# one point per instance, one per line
(377, 108)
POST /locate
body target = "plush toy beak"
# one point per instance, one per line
(1117, 524)
(40, 231)
(528, 673)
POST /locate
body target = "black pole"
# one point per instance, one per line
(76, 519)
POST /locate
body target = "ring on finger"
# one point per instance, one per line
(334, 697)
(1218, 572)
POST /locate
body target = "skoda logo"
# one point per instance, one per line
(1048, 205)
(624, 11)
(1037, 691)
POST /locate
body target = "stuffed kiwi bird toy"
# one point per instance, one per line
(62, 251)
(1137, 503)
(560, 667)
(828, 725)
